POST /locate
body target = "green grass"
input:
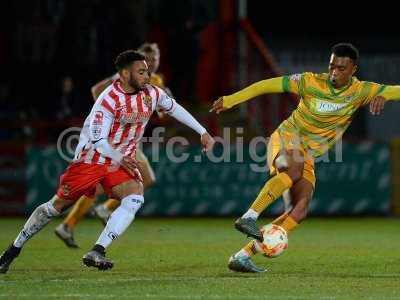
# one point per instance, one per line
(186, 259)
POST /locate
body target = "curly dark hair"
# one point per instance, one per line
(346, 50)
(127, 57)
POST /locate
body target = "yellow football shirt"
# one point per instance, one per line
(324, 113)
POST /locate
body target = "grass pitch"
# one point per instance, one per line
(186, 259)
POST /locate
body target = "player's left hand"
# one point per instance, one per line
(218, 106)
(207, 141)
(376, 105)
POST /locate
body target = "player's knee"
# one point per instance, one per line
(59, 204)
(47, 209)
(282, 163)
(131, 187)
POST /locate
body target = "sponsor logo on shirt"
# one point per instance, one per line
(98, 118)
(96, 131)
(135, 117)
(324, 106)
(348, 99)
(97, 124)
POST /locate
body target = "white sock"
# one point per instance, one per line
(287, 201)
(40, 217)
(251, 213)
(105, 209)
(120, 219)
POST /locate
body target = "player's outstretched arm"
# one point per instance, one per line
(183, 116)
(172, 108)
(390, 92)
(268, 86)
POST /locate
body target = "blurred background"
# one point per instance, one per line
(53, 51)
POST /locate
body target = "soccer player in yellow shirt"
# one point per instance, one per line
(327, 106)
(65, 231)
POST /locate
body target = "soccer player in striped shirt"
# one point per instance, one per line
(327, 106)
(105, 154)
(65, 231)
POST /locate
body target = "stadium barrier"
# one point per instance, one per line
(358, 183)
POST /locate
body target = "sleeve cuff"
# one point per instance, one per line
(285, 84)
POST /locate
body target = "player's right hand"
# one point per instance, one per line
(218, 106)
(131, 165)
(207, 141)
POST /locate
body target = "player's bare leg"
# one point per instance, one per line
(290, 165)
(104, 210)
(131, 195)
(300, 195)
(39, 218)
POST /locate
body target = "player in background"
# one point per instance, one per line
(107, 156)
(65, 231)
(327, 105)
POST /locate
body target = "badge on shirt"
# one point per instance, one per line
(147, 101)
(66, 189)
(295, 77)
(348, 99)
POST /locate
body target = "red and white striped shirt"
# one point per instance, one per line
(120, 118)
